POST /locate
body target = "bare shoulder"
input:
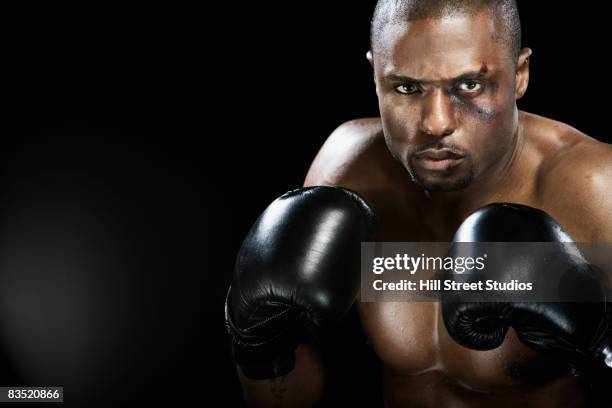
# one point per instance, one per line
(576, 160)
(353, 156)
(575, 182)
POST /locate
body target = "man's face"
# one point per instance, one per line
(447, 98)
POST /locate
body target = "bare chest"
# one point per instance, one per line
(410, 337)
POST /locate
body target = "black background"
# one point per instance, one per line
(139, 146)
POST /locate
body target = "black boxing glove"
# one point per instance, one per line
(296, 273)
(574, 332)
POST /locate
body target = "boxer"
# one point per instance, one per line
(449, 141)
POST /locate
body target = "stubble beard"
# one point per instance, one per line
(443, 186)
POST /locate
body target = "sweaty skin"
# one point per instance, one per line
(501, 154)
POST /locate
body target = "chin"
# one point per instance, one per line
(443, 184)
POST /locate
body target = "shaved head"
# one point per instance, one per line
(505, 13)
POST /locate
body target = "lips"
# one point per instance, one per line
(439, 154)
(438, 159)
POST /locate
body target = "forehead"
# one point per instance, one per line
(439, 48)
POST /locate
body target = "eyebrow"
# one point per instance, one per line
(466, 75)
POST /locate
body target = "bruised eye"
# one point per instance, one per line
(406, 89)
(469, 86)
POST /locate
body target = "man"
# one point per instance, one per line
(449, 141)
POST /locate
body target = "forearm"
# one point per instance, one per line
(302, 387)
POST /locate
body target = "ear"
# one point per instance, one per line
(370, 58)
(522, 73)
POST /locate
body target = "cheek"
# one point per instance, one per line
(490, 128)
(392, 134)
(484, 111)
(399, 121)
(489, 119)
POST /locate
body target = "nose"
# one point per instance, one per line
(438, 115)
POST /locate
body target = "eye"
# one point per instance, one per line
(406, 89)
(470, 86)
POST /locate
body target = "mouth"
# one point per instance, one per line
(438, 159)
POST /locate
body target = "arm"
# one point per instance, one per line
(332, 166)
(302, 387)
(576, 190)
(565, 319)
(296, 277)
